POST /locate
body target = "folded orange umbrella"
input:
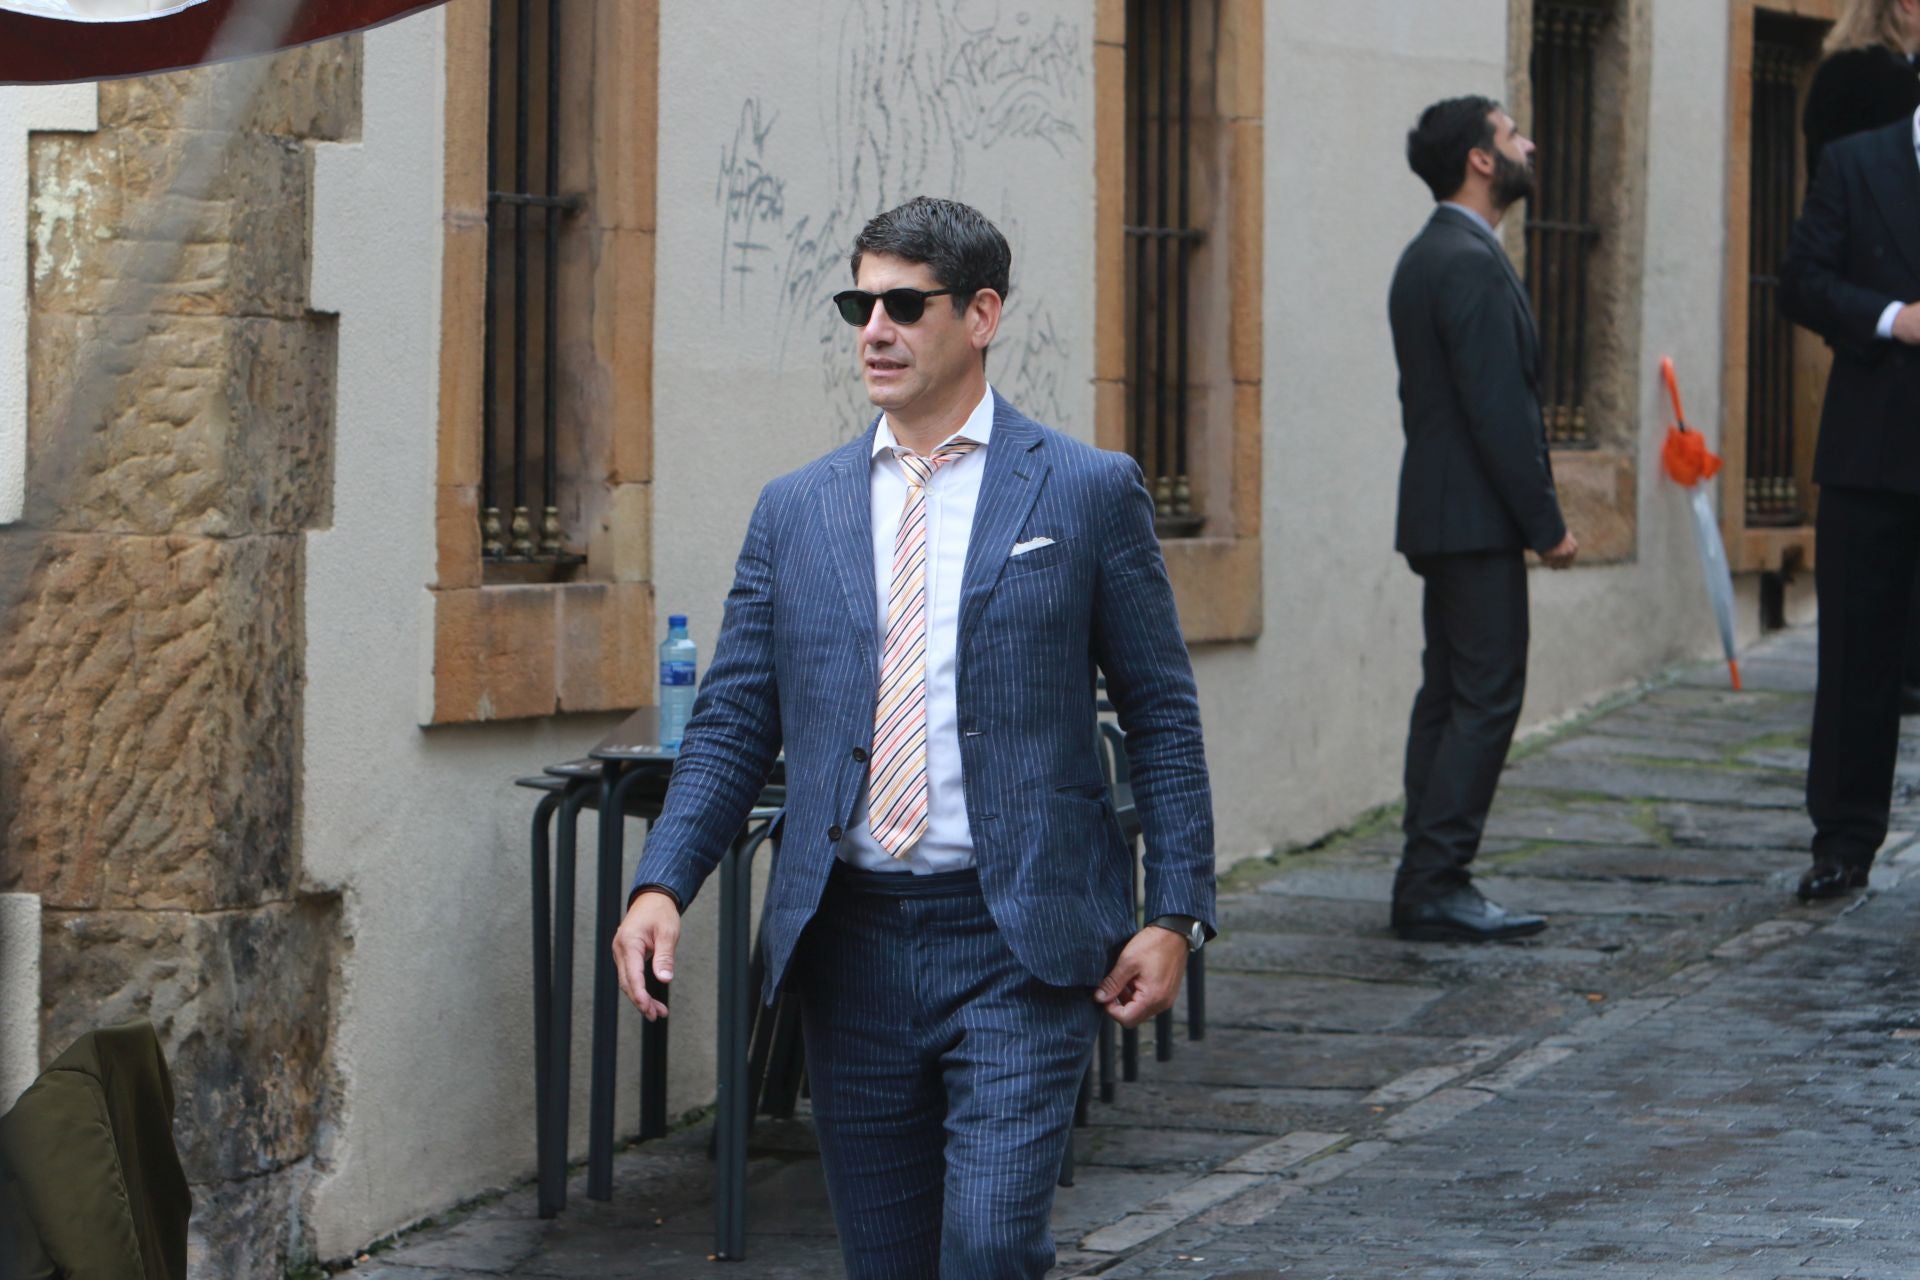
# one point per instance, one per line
(1689, 464)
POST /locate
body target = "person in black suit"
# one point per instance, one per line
(1476, 491)
(1852, 275)
(1869, 79)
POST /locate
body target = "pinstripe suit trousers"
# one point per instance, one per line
(943, 1076)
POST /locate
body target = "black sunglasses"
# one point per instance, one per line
(904, 306)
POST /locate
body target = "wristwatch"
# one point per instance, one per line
(1187, 927)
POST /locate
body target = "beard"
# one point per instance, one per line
(1512, 180)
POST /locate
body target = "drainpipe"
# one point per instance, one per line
(19, 994)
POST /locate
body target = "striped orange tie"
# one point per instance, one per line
(897, 795)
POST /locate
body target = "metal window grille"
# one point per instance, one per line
(1773, 495)
(1561, 229)
(1161, 241)
(523, 245)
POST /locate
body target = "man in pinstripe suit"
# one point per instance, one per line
(917, 618)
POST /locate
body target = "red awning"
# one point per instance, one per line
(39, 47)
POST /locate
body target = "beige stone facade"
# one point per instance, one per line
(151, 666)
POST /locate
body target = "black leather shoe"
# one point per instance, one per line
(1830, 880)
(1464, 915)
(1910, 700)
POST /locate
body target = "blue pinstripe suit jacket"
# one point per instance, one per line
(797, 665)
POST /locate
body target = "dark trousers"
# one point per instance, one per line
(1473, 679)
(943, 1078)
(1912, 677)
(1869, 547)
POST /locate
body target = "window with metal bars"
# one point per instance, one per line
(526, 212)
(1163, 53)
(1562, 230)
(1773, 491)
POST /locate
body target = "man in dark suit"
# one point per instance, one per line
(917, 618)
(1476, 491)
(1852, 275)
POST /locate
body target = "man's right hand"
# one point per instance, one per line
(1562, 556)
(651, 931)
(1906, 325)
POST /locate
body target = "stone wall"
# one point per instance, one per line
(151, 672)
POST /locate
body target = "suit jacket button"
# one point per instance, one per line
(860, 754)
(834, 832)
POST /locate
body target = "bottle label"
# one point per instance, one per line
(676, 673)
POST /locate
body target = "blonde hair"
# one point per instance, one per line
(1867, 22)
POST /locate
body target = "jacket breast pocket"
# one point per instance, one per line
(1039, 558)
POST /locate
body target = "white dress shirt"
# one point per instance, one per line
(1894, 308)
(952, 496)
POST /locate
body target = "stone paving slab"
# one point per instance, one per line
(1386, 958)
(1748, 788)
(1722, 827)
(1656, 1111)
(1233, 1056)
(1251, 1108)
(1525, 818)
(1568, 896)
(1670, 866)
(1604, 744)
(1302, 1003)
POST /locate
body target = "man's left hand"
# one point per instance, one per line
(1146, 978)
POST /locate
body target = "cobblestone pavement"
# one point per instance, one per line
(1687, 1075)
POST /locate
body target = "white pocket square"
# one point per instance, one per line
(1031, 544)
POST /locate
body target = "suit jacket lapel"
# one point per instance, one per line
(1015, 470)
(846, 519)
(1513, 282)
(1893, 174)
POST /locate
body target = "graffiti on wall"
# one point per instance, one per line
(921, 94)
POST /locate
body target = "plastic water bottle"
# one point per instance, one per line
(678, 659)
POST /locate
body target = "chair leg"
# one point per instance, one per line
(1108, 1088)
(733, 1103)
(606, 989)
(543, 1136)
(1197, 996)
(553, 1177)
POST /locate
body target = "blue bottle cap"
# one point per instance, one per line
(676, 619)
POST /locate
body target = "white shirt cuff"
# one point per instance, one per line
(1886, 319)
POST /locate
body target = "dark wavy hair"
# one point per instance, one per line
(1437, 147)
(966, 252)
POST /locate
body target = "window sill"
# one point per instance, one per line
(514, 652)
(1599, 497)
(1216, 586)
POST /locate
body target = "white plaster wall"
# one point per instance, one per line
(789, 126)
(23, 110)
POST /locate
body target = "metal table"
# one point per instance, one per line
(626, 774)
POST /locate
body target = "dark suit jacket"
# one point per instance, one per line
(1855, 249)
(797, 665)
(1475, 476)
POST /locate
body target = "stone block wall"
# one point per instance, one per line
(180, 437)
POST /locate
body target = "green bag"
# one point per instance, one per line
(90, 1183)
